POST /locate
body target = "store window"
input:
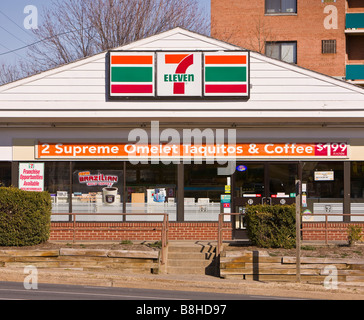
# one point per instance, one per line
(5, 174)
(203, 190)
(357, 181)
(151, 188)
(57, 183)
(280, 6)
(282, 179)
(285, 51)
(97, 189)
(357, 190)
(325, 189)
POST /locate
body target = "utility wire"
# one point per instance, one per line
(45, 39)
(13, 35)
(9, 49)
(22, 29)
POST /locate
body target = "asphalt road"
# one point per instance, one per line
(16, 291)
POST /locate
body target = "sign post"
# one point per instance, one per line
(298, 230)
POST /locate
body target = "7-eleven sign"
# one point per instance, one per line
(179, 74)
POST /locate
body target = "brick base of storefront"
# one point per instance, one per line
(137, 231)
(151, 231)
(335, 231)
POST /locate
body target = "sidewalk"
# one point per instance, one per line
(184, 283)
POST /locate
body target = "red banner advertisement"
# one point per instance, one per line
(86, 150)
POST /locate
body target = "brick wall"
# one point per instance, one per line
(336, 231)
(245, 23)
(150, 231)
(141, 231)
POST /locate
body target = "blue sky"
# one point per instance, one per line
(13, 34)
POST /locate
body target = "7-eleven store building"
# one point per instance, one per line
(184, 125)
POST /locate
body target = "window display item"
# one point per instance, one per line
(109, 195)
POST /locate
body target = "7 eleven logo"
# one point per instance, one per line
(179, 74)
(183, 61)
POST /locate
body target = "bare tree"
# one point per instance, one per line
(252, 36)
(259, 34)
(9, 73)
(65, 35)
(74, 29)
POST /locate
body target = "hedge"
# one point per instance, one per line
(25, 217)
(272, 226)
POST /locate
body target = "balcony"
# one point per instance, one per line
(355, 72)
(354, 21)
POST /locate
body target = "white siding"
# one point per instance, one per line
(6, 153)
(275, 85)
(121, 134)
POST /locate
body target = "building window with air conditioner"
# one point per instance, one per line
(328, 46)
(280, 6)
(285, 51)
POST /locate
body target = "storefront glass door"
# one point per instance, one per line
(267, 183)
(249, 189)
(249, 186)
(282, 178)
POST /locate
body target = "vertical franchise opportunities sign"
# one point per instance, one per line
(178, 75)
(31, 176)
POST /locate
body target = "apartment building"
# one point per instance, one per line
(326, 36)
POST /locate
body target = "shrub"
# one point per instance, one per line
(272, 226)
(354, 234)
(25, 217)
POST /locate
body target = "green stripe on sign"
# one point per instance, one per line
(218, 74)
(132, 74)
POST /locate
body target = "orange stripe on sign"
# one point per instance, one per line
(132, 60)
(225, 59)
(175, 58)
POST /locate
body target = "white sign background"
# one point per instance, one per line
(31, 176)
(166, 88)
(324, 175)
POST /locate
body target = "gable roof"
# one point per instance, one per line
(76, 91)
